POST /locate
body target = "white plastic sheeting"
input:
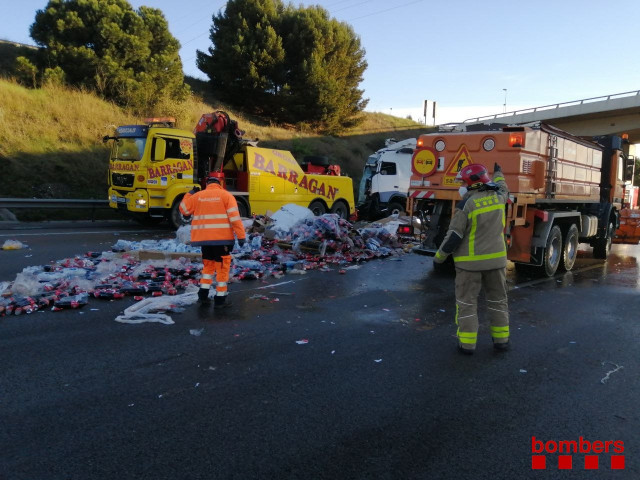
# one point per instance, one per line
(152, 309)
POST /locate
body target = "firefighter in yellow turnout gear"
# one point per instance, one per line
(215, 222)
(476, 240)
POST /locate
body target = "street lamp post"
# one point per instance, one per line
(504, 107)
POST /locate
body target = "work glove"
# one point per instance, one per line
(195, 189)
(439, 257)
(496, 168)
(241, 242)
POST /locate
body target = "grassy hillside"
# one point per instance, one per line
(9, 51)
(52, 139)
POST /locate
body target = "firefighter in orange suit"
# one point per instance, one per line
(215, 221)
(476, 241)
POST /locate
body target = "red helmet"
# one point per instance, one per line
(217, 177)
(473, 174)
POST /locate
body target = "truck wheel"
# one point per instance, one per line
(602, 247)
(553, 251)
(341, 209)
(243, 208)
(318, 208)
(570, 248)
(396, 207)
(176, 219)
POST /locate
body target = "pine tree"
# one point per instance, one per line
(246, 59)
(295, 64)
(325, 65)
(127, 56)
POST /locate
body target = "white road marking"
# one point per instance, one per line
(46, 234)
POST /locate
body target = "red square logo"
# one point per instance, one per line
(591, 462)
(617, 462)
(565, 462)
(538, 462)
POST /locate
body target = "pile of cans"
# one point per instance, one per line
(72, 282)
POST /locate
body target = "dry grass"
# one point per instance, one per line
(52, 138)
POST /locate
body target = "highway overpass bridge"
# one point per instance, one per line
(606, 115)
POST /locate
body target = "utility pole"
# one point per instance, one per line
(504, 107)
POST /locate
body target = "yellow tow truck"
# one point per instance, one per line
(152, 166)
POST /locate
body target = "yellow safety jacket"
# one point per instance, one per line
(215, 216)
(476, 232)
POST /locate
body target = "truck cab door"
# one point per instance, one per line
(171, 161)
(386, 180)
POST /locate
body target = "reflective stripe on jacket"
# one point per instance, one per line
(479, 219)
(215, 216)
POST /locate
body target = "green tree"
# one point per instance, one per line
(246, 59)
(127, 56)
(53, 76)
(26, 72)
(325, 64)
(295, 64)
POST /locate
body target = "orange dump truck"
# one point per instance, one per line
(564, 190)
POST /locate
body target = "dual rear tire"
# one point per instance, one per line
(339, 207)
(560, 252)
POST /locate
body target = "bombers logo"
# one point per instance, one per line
(566, 449)
(290, 175)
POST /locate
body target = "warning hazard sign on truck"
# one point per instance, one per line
(423, 162)
(461, 160)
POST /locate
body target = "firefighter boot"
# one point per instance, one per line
(220, 301)
(203, 296)
(501, 347)
(466, 351)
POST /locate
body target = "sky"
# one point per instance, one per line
(472, 58)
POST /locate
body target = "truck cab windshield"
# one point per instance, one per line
(128, 148)
(367, 173)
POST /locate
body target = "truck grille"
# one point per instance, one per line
(122, 180)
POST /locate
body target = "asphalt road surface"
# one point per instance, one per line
(378, 391)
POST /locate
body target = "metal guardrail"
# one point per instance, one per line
(550, 107)
(52, 203)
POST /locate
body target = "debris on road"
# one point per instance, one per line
(13, 245)
(291, 241)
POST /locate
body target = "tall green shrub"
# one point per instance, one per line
(296, 64)
(125, 55)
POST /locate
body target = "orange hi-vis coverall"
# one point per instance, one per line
(215, 221)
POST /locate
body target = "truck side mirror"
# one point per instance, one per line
(629, 168)
(159, 149)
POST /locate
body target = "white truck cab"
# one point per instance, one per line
(385, 180)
